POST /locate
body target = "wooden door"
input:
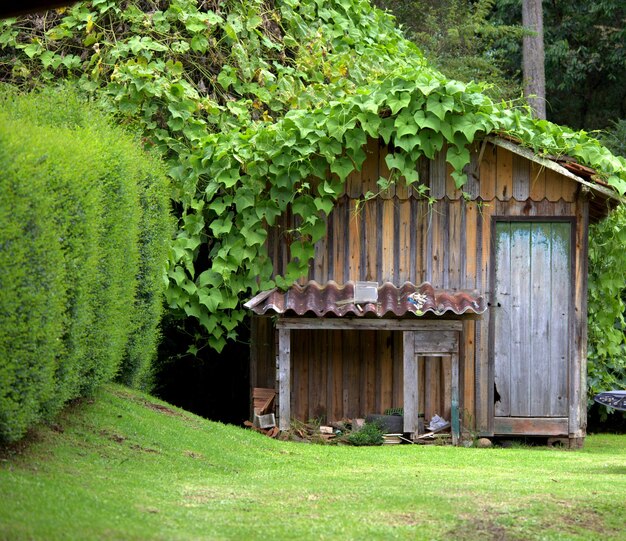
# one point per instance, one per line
(532, 299)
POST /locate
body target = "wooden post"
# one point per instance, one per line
(411, 398)
(284, 379)
(454, 398)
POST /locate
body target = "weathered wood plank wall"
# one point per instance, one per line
(399, 237)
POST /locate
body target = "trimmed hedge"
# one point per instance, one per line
(84, 231)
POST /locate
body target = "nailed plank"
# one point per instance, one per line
(405, 242)
(339, 244)
(335, 387)
(540, 299)
(554, 185)
(375, 324)
(570, 190)
(471, 187)
(351, 365)
(385, 352)
(321, 376)
(455, 247)
(452, 192)
(398, 383)
(370, 246)
(411, 398)
(370, 173)
(502, 322)
(521, 177)
(421, 379)
(284, 379)
(487, 172)
(483, 382)
(520, 313)
(354, 183)
(438, 173)
(369, 372)
(355, 231)
(454, 398)
(420, 257)
(470, 245)
(578, 321)
(315, 367)
(438, 242)
(383, 171)
(320, 261)
(431, 386)
(468, 355)
(440, 342)
(537, 182)
(388, 240)
(504, 174)
(559, 275)
(529, 426)
(301, 359)
(446, 386)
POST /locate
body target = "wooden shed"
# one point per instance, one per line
(479, 313)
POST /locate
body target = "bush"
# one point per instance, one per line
(84, 225)
(370, 434)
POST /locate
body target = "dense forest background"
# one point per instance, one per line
(585, 53)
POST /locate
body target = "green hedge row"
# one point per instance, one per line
(84, 230)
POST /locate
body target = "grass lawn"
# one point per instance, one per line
(127, 466)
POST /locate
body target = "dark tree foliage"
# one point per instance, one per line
(459, 37)
(585, 47)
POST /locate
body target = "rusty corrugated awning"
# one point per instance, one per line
(338, 300)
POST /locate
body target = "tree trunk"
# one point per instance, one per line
(533, 57)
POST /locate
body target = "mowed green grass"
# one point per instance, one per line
(127, 466)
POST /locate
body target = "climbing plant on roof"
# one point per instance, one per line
(263, 107)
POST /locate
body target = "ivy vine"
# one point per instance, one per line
(259, 107)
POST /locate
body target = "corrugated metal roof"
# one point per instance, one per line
(338, 300)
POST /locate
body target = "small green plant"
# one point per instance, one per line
(370, 434)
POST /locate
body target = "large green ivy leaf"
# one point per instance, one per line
(211, 298)
(427, 120)
(405, 124)
(398, 101)
(342, 167)
(439, 104)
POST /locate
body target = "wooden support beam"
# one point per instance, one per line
(284, 379)
(411, 398)
(374, 324)
(553, 166)
(454, 398)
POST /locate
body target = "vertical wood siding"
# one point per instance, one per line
(398, 237)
